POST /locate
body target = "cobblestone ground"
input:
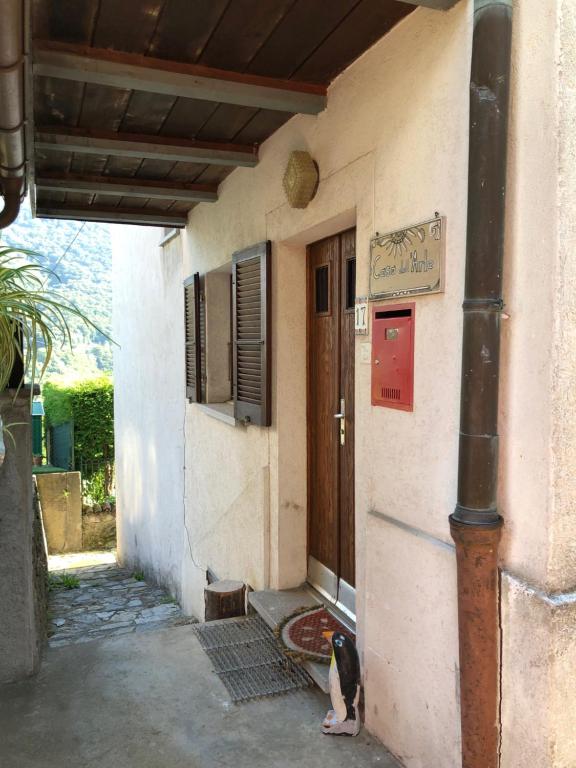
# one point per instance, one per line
(109, 601)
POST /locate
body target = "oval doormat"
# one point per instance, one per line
(302, 634)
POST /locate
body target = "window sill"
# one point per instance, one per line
(221, 411)
(169, 236)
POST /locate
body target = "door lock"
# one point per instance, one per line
(342, 417)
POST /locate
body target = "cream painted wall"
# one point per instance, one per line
(392, 150)
(149, 402)
(388, 157)
(538, 479)
(562, 562)
(532, 239)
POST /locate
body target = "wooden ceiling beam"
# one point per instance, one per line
(191, 81)
(437, 5)
(112, 215)
(133, 187)
(144, 147)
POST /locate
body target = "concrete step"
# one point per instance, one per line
(274, 607)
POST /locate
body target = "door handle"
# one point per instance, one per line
(342, 417)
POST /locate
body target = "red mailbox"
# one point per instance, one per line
(393, 356)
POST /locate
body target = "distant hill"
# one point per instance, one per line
(85, 279)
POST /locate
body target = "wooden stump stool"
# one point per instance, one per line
(224, 600)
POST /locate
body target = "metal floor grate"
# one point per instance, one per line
(247, 658)
(233, 632)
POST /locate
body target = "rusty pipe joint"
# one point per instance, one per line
(479, 646)
(12, 194)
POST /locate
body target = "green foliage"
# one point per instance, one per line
(139, 576)
(81, 255)
(93, 412)
(90, 405)
(62, 581)
(57, 404)
(96, 485)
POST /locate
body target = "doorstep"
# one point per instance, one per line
(274, 607)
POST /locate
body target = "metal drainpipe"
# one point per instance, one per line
(475, 524)
(12, 144)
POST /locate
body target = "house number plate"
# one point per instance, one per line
(361, 318)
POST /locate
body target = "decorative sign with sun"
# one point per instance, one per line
(408, 261)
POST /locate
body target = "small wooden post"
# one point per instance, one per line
(224, 600)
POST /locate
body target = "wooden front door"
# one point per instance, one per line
(331, 296)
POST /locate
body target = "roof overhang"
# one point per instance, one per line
(137, 111)
(172, 78)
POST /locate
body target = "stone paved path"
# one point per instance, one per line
(108, 602)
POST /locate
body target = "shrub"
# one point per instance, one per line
(89, 405)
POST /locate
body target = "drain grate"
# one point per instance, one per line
(247, 658)
(233, 632)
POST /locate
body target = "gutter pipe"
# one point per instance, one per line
(12, 121)
(476, 524)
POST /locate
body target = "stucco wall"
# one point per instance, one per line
(388, 156)
(148, 327)
(538, 486)
(392, 150)
(530, 279)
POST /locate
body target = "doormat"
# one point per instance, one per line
(247, 658)
(302, 636)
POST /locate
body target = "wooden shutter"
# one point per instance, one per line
(251, 334)
(193, 338)
(201, 302)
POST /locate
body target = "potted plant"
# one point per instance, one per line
(32, 320)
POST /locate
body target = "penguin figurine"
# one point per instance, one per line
(344, 680)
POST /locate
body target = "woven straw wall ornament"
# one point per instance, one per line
(300, 179)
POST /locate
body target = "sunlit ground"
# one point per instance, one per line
(81, 560)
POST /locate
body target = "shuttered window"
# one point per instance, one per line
(195, 339)
(202, 331)
(251, 334)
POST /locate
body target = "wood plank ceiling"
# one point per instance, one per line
(114, 138)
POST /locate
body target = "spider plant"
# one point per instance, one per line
(32, 318)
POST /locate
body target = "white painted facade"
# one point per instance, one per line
(149, 398)
(195, 492)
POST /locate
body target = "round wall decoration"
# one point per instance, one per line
(300, 179)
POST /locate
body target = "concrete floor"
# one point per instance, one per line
(151, 700)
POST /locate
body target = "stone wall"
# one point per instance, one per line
(99, 526)
(40, 563)
(22, 597)
(70, 525)
(61, 497)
